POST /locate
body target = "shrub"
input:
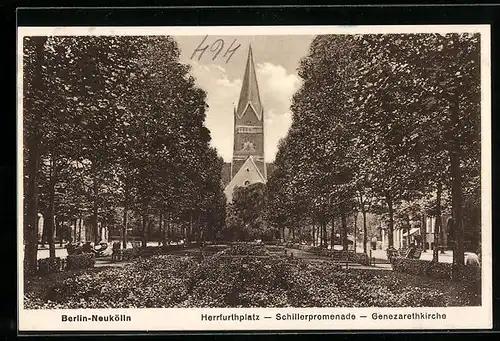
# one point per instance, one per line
(465, 273)
(49, 265)
(469, 274)
(360, 258)
(159, 250)
(337, 255)
(29, 269)
(272, 242)
(150, 251)
(82, 261)
(438, 270)
(411, 266)
(183, 282)
(128, 254)
(275, 248)
(244, 250)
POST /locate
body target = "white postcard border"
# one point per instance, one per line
(190, 319)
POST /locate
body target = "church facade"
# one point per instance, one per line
(248, 165)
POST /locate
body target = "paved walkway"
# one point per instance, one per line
(62, 253)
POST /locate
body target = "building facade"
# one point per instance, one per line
(420, 232)
(248, 164)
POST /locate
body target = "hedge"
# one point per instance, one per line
(467, 273)
(338, 255)
(275, 248)
(81, 261)
(128, 254)
(158, 250)
(272, 242)
(148, 251)
(49, 265)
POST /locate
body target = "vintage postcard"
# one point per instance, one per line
(254, 178)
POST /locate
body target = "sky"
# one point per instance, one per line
(276, 59)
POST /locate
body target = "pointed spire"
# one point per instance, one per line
(250, 89)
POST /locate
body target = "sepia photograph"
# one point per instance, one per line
(242, 170)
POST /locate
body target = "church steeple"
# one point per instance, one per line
(250, 89)
(248, 165)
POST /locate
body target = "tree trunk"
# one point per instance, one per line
(163, 230)
(325, 234)
(31, 223)
(390, 227)
(51, 208)
(95, 212)
(458, 251)
(75, 230)
(332, 235)
(144, 230)
(80, 229)
(441, 238)
(423, 232)
(365, 232)
(437, 225)
(60, 231)
(125, 219)
(160, 229)
(150, 229)
(44, 230)
(314, 233)
(320, 231)
(345, 243)
(456, 183)
(169, 228)
(355, 230)
(33, 141)
(188, 235)
(198, 228)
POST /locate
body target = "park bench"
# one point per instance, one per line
(412, 253)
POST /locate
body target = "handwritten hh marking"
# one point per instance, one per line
(216, 48)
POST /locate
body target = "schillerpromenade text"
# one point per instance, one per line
(325, 317)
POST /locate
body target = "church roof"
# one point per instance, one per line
(248, 172)
(226, 171)
(249, 95)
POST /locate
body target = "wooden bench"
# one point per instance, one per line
(411, 253)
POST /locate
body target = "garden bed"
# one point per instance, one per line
(221, 281)
(338, 255)
(465, 273)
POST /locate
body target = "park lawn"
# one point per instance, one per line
(240, 279)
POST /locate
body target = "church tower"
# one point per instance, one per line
(248, 165)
